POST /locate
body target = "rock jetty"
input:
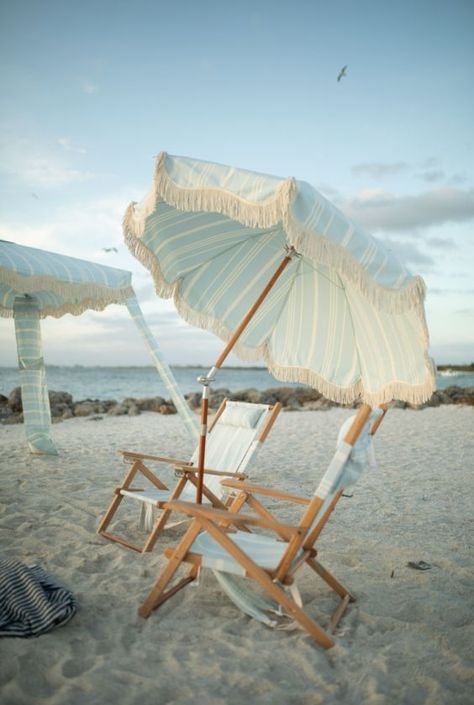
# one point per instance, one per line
(64, 407)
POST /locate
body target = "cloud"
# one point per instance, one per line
(408, 252)
(90, 88)
(429, 170)
(78, 230)
(38, 165)
(442, 291)
(145, 292)
(377, 170)
(441, 242)
(457, 179)
(47, 172)
(378, 209)
(432, 175)
(67, 144)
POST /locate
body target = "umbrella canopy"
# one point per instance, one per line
(34, 284)
(345, 317)
(59, 284)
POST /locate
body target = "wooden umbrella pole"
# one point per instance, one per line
(205, 381)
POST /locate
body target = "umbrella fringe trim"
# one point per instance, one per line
(343, 395)
(265, 214)
(73, 309)
(346, 395)
(98, 297)
(333, 255)
(413, 394)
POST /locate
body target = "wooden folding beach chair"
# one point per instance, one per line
(221, 540)
(234, 437)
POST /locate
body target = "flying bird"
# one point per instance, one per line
(109, 249)
(34, 195)
(342, 73)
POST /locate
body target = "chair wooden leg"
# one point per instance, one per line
(264, 580)
(121, 541)
(163, 518)
(338, 613)
(154, 598)
(114, 505)
(238, 502)
(330, 579)
(157, 529)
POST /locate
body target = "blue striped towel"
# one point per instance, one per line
(31, 602)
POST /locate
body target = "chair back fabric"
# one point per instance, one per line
(233, 441)
(348, 462)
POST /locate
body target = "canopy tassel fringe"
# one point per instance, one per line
(97, 297)
(263, 214)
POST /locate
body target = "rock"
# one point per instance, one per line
(399, 404)
(6, 413)
(434, 401)
(246, 395)
(59, 403)
(14, 400)
(87, 407)
(60, 398)
(167, 408)
(193, 399)
(117, 410)
(318, 405)
(14, 418)
(216, 398)
(150, 404)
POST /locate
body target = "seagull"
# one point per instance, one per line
(34, 195)
(109, 249)
(342, 73)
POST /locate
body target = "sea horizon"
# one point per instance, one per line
(118, 382)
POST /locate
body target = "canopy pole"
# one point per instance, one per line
(206, 381)
(34, 390)
(164, 371)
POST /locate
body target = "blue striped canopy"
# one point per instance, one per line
(36, 283)
(346, 316)
(60, 284)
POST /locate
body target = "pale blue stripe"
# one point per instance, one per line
(34, 391)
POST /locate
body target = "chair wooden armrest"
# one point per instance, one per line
(132, 455)
(182, 468)
(267, 491)
(224, 517)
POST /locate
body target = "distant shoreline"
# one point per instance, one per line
(456, 368)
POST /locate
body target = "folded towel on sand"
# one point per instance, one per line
(31, 602)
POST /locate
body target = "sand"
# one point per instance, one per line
(407, 639)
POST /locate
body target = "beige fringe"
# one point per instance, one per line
(96, 297)
(264, 215)
(414, 394)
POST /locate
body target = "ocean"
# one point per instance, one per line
(121, 382)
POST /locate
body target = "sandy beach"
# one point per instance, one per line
(407, 640)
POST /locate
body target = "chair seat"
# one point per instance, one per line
(151, 495)
(265, 551)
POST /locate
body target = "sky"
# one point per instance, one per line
(90, 92)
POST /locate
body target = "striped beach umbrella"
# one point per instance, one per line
(279, 273)
(36, 283)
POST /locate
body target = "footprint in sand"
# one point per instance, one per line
(72, 668)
